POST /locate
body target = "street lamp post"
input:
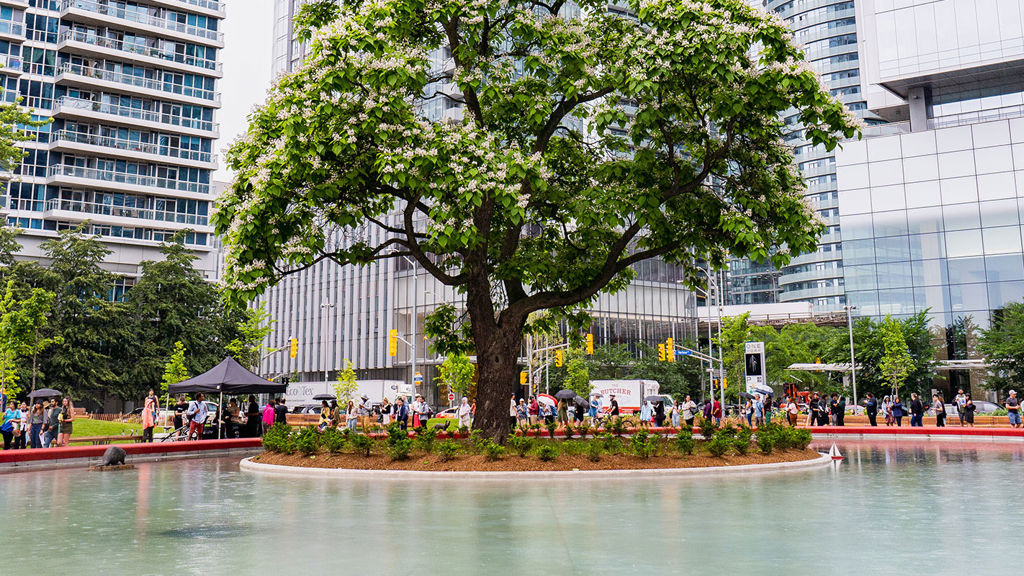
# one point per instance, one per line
(853, 362)
(325, 334)
(713, 283)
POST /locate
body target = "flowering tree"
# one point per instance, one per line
(588, 142)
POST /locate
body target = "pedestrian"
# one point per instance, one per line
(968, 411)
(689, 412)
(916, 410)
(51, 426)
(940, 410)
(748, 411)
(758, 411)
(563, 412)
(10, 422)
(887, 411)
(958, 404)
(385, 412)
(280, 412)
(197, 413)
(871, 407)
(179, 415)
(335, 420)
(512, 413)
(676, 415)
(817, 410)
(1013, 409)
(401, 412)
(149, 415)
(268, 415)
(465, 413)
(521, 413)
(364, 412)
(252, 418)
(232, 419)
(706, 409)
(534, 410)
(36, 426)
(422, 410)
(833, 410)
(897, 411)
(716, 411)
(614, 406)
(352, 416)
(793, 410)
(325, 416)
(767, 402)
(646, 410)
(21, 439)
(595, 405)
(67, 417)
(659, 413)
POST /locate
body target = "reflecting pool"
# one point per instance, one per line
(887, 509)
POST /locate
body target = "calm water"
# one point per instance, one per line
(888, 509)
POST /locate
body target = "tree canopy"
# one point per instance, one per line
(588, 142)
(1003, 346)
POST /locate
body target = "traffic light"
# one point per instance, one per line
(522, 378)
(558, 357)
(670, 350)
(661, 352)
(590, 344)
(393, 342)
(714, 383)
(725, 383)
(293, 350)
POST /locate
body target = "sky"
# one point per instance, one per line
(248, 39)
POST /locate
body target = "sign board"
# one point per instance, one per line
(753, 365)
(417, 378)
(451, 397)
(684, 352)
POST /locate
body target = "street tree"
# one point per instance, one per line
(1003, 346)
(456, 374)
(346, 386)
(548, 190)
(248, 348)
(20, 321)
(577, 376)
(896, 363)
(175, 370)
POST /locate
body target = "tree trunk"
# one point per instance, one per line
(497, 354)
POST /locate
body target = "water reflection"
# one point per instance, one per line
(886, 509)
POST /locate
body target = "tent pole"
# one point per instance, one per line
(220, 416)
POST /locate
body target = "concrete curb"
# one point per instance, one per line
(85, 462)
(718, 471)
(918, 437)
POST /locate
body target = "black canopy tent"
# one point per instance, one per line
(227, 377)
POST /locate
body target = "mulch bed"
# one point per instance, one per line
(513, 463)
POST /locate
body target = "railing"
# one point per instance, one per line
(135, 113)
(976, 117)
(12, 28)
(137, 81)
(130, 145)
(140, 18)
(95, 208)
(126, 178)
(143, 50)
(214, 5)
(890, 129)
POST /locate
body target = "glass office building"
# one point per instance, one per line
(131, 89)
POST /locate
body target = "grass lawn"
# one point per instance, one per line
(87, 427)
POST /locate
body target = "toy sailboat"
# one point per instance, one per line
(834, 452)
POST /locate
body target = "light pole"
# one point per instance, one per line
(325, 334)
(853, 363)
(714, 283)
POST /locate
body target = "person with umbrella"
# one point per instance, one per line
(563, 411)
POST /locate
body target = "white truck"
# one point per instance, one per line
(301, 393)
(629, 394)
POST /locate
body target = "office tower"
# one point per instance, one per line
(131, 89)
(931, 204)
(345, 312)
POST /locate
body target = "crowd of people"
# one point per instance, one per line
(46, 423)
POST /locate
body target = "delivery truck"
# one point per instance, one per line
(629, 394)
(301, 393)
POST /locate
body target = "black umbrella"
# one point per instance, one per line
(746, 395)
(325, 397)
(565, 394)
(45, 393)
(654, 399)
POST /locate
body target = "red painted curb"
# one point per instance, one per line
(931, 430)
(31, 455)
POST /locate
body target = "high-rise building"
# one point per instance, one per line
(932, 204)
(345, 312)
(131, 89)
(827, 30)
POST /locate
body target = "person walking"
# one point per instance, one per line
(51, 424)
(871, 408)
(595, 405)
(385, 412)
(179, 415)
(758, 411)
(958, 404)
(676, 415)
(10, 422)
(325, 416)
(613, 411)
(465, 413)
(401, 412)
(280, 412)
(512, 413)
(422, 411)
(793, 411)
(252, 418)
(67, 420)
(916, 410)
(197, 413)
(968, 411)
(149, 415)
(887, 411)
(522, 411)
(36, 426)
(689, 411)
(841, 411)
(940, 410)
(268, 415)
(646, 410)
(748, 411)
(352, 416)
(716, 411)
(563, 412)
(897, 411)
(659, 413)
(534, 410)
(1013, 409)
(21, 438)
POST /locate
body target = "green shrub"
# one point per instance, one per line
(425, 439)
(616, 425)
(718, 445)
(707, 427)
(643, 444)
(611, 444)
(332, 440)
(476, 441)
(521, 445)
(594, 450)
(447, 450)
(574, 447)
(547, 452)
(741, 440)
(765, 443)
(492, 451)
(307, 441)
(361, 443)
(684, 442)
(551, 426)
(799, 438)
(727, 431)
(278, 439)
(583, 429)
(568, 431)
(399, 449)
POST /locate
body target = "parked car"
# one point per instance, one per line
(449, 413)
(983, 407)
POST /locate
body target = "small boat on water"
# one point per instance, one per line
(834, 452)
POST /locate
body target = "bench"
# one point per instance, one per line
(102, 440)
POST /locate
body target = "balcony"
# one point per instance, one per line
(91, 77)
(216, 7)
(10, 65)
(66, 106)
(94, 12)
(97, 46)
(92, 211)
(134, 149)
(10, 30)
(122, 181)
